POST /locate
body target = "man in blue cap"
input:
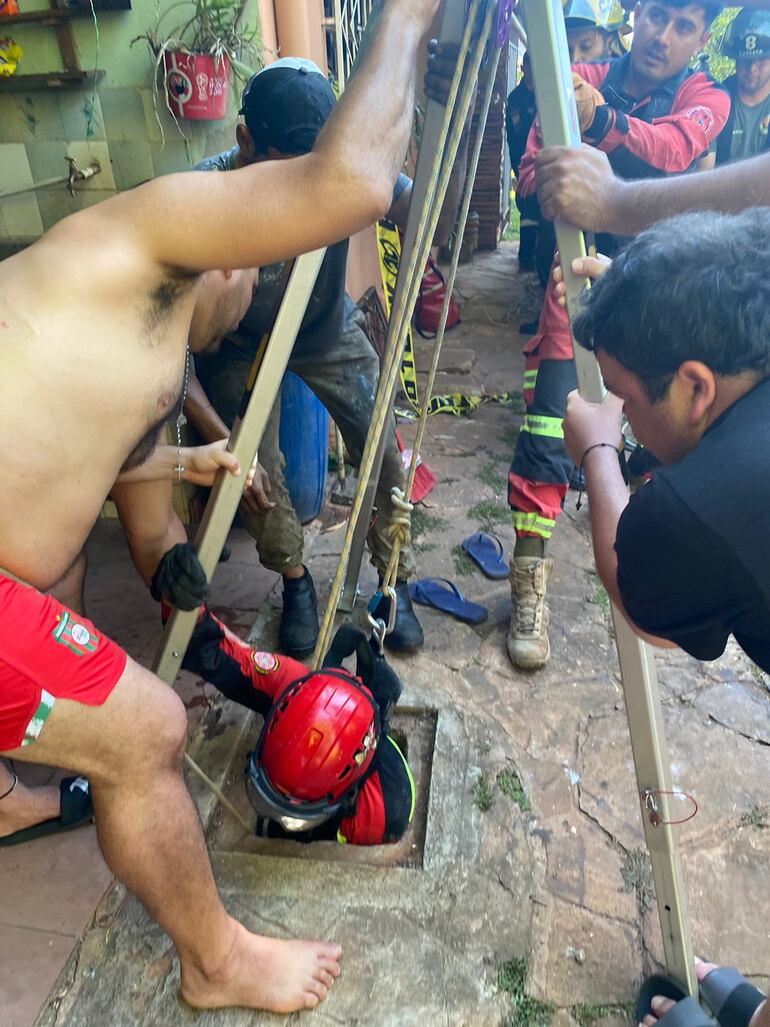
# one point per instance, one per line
(285, 107)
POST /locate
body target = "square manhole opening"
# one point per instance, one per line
(418, 725)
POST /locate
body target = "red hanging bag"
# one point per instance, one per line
(430, 303)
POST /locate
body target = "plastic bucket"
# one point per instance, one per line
(304, 442)
(197, 85)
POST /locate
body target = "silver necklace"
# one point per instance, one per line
(181, 421)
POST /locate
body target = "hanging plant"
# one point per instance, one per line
(197, 59)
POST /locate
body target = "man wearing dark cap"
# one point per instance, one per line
(284, 108)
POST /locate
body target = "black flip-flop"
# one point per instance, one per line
(731, 998)
(76, 810)
(686, 1013)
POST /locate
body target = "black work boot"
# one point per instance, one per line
(298, 632)
(407, 635)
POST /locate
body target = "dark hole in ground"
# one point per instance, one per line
(419, 726)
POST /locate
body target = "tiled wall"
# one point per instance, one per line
(117, 125)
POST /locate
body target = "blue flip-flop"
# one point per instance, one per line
(486, 551)
(431, 592)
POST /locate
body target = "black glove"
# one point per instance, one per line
(180, 579)
(373, 669)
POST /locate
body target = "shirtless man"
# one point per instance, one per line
(95, 356)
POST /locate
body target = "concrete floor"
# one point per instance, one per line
(530, 853)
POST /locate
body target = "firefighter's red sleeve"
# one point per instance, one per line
(669, 144)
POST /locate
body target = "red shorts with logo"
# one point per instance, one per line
(47, 652)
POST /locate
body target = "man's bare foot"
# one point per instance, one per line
(265, 973)
(25, 807)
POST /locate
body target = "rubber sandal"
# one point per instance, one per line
(486, 551)
(431, 592)
(731, 998)
(76, 810)
(686, 1013)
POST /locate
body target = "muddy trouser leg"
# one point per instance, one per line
(344, 377)
(278, 534)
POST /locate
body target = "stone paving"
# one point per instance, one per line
(524, 898)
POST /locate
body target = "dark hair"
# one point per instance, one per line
(709, 7)
(694, 287)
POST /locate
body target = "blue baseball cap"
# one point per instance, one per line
(286, 105)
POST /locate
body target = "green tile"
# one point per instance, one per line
(131, 163)
(55, 204)
(169, 158)
(47, 160)
(11, 121)
(90, 197)
(123, 113)
(21, 216)
(41, 118)
(16, 172)
(81, 116)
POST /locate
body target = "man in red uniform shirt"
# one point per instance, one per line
(653, 116)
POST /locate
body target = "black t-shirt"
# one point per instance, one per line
(693, 544)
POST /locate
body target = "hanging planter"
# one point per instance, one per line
(196, 84)
(195, 60)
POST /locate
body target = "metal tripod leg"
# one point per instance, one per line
(451, 31)
(547, 45)
(262, 388)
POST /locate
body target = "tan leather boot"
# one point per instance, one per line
(528, 645)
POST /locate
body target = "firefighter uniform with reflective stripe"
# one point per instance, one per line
(384, 804)
(664, 133)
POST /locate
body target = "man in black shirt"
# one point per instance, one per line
(284, 108)
(747, 42)
(680, 325)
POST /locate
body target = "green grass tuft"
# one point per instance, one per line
(423, 522)
(483, 796)
(487, 513)
(491, 475)
(464, 566)
(587, 1015)
(756, 818)
(525, 1011)
(509, 783)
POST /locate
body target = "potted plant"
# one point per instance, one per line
(197, 57)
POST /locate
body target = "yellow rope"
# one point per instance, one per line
(466, 73)
(399, 537)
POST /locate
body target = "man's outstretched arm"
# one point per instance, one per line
(278, 209)
(579, 186)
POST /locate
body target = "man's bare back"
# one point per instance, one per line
(89, 376)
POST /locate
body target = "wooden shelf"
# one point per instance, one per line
(53, 80)
(50, 17)
(60, 16)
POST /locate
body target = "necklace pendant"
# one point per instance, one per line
(181, 421)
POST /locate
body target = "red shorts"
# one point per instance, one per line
(47, 653)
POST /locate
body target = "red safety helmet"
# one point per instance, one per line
(315, 747)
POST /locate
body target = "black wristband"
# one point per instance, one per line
(596, 445)
(603, 123)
